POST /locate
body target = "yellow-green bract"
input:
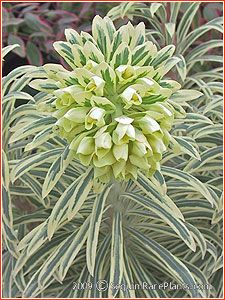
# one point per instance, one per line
(113, 106)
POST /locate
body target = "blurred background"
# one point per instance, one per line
(35, 26)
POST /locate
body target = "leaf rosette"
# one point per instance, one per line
(113, 106)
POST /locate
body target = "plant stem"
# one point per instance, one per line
(113, 200)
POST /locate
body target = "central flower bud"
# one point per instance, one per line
(95, 117)
(130, 96)
(125, 72)
(95, 85)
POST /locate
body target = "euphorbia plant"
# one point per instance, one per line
(93, 139)
(114, 107)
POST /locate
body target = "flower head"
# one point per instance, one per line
(112, 106)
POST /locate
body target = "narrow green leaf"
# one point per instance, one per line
(70, 202)
(163, 55)
(96, 217)
(199, 237)
(9, 48)
(176, 224)
(186, 20)
(32, 161)
(176, 267)
(182, 68)
(99, 265)
(31, 128)
(116, 269)
(42, 137)
(190, 180)
(183, 96)
(170, 27)
(5, 170)
(160, 198)
(186, 147)
(64, 258)
(56, 170)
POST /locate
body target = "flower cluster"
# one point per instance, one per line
(113, 106)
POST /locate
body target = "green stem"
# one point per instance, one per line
(114, 201)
